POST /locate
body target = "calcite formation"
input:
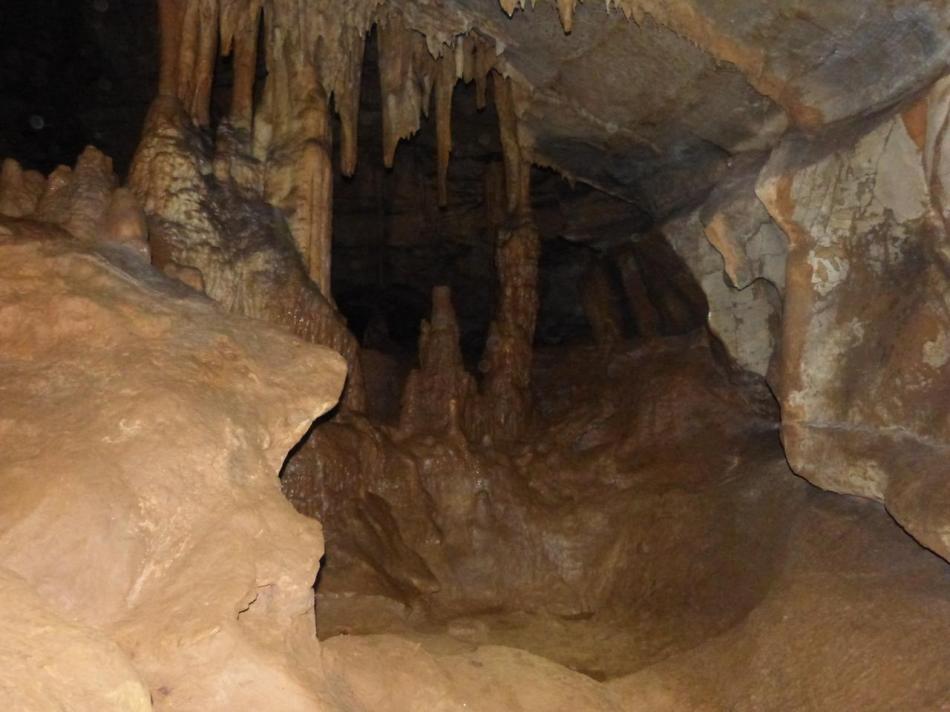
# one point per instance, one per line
(85, 201)
(740, 212)
(227, 242)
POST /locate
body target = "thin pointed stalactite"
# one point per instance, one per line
(244, 47)
(347, 101)
(445, 87)
(517, 169)
(565, 9)
(405, 75)
(207, 52)
(484, 64)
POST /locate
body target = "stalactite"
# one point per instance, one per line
(314, 211)
(245, 34)
(445, 87)
(565, 9)
(484, 63)
(347, 100)
(206, 54)
(406, 72)
(170, 24)
(188, 54)
(465, 49)
(517, 169)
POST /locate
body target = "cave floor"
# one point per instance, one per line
(694, 563)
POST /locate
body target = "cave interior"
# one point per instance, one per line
(424, 355)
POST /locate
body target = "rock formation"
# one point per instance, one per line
(143, 431)
(865, 363)
(531, 311)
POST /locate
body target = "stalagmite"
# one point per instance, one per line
(405, 81)
(20, 190)
(600, 307)
(509, 349)
(645, 316)
(439, 394)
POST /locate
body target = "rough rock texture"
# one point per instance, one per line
(147, 558)
(142, 433)
(227, 241)
(745, 320)
(652, 107)
(86, 201)
(852, 620)
(49, 663)
(865, 366)
(656, 479)
(739, 227)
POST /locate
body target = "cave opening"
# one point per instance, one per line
(474, 354)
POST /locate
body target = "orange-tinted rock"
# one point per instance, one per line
(439, 396)
(865, 364)
(234, 240)
(142, 432)
(85, 201)
(50, 663)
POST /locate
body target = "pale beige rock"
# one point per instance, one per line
(865, 365)
(142, 432)
(739, 227)
(48, 663)
(745, 320)
(389, 674)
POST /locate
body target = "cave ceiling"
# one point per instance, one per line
(651, 100)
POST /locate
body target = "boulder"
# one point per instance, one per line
(865, 365)
(142, 432)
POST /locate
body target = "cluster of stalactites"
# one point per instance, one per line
(281, 146)
(565, 8)
(409, 76)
